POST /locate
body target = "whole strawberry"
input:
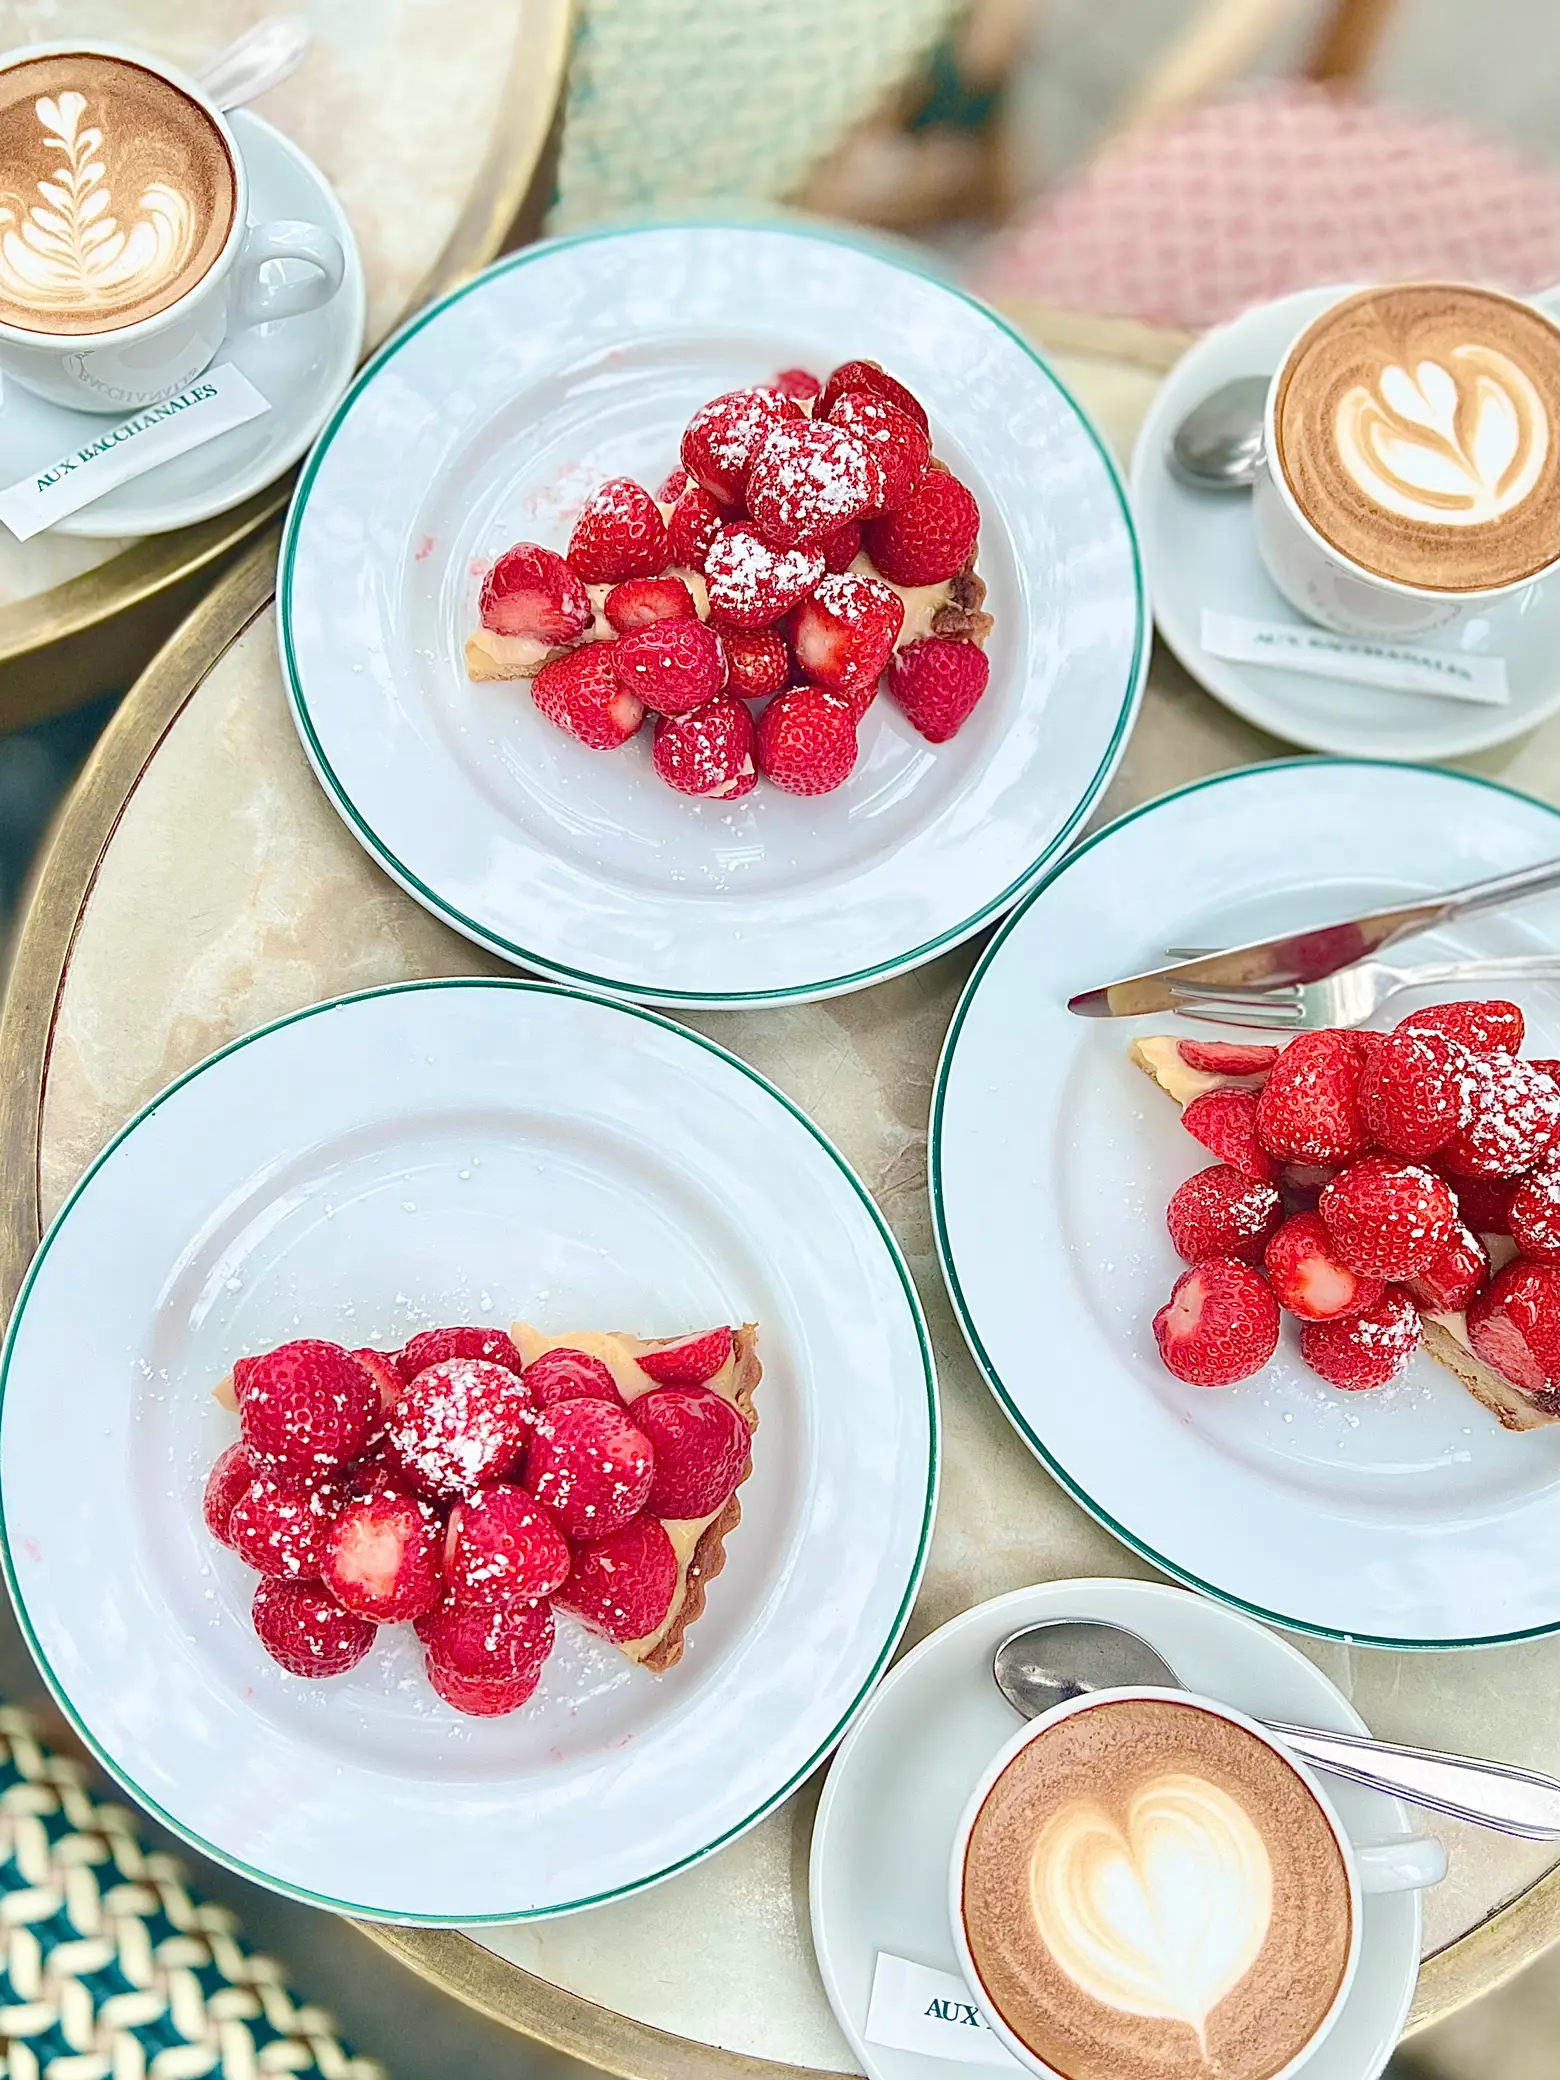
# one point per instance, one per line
(937, 681)
(1534, 1215)
(757, 662)
(701, 1443)
(1514, 1326)
(799, 383)
(502, 1542)
(1220, 1213)
(622, 1585)
(1450, 1280)
(724, 436)
(532, 591)
(308, 1408)
(1487, 1026)
(877, 382)
(806, 741)
(568, 1375)
(1308, 1111)
(1219, 1325)
(841, 548)
(709, 753)
(619, 534)
(844, 634)
(1388, 1219)
(591, 1465)
(808, 481)
(900, 446)
(931, 537)
(641, 602)
(1225, 1122)
(1366, 1349)
(1415, 1091)
(280, 1528)
(302, 1627)
(459, 1425)
(227, 1480)
(673, 667)
(433, 1346)
(751, 583)
(1516, 1111)
(696, 521)
(581, 694)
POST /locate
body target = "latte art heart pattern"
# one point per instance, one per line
(1163, 1917)
(1456, 441)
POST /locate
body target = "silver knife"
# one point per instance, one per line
(1309, 955)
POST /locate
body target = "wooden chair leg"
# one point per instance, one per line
(1348, 39)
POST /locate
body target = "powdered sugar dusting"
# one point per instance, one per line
(809, 480)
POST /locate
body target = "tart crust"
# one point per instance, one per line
(1445, 1335)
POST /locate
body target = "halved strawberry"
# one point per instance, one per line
(844, 634)
(381, 1558)
(591, 1464)
(641, 602)
(687, 1361)
(1219, 1325)
(1224, 1121)
(1227, 1057)
(1218, 1213)
(383, 1368)
(532, 591)
(580, 693)
(1367, 1349)
(1307, 1277)
(623, 1585)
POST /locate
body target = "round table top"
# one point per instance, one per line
(198, 884)
(428, 121)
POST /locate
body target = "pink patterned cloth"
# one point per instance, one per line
(1275, 189)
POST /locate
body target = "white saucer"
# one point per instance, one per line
(490, 418)
(460, 1151)
(1199, 551)
(1405, 1517)
(884, 1832)
(301, 364)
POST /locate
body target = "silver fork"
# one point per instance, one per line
(1347, 998)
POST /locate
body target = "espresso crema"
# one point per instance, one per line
(1151, 1893)
(1418, 429)
(117, 194)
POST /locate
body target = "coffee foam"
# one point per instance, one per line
(1419, 431)
(1151, 1893)
(117, 194)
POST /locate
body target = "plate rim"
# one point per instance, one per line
(962, 1313)
(304, 1894)
(507, 949)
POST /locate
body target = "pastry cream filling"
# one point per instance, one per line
(1160, 1057)
(619, 1354)
(1164, 1916)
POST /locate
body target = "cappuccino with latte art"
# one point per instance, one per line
(1417, 429)
(1150, 1892)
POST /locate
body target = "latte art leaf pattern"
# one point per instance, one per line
(1164, 1917)
(1457, 442)
(69, 250)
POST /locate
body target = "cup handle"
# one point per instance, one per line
(1408, 1863)
(256, 302)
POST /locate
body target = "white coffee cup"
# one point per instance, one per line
(1322, 583)
(128, 366)
(1404, 1863)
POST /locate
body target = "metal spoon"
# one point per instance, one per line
(261, 58)
(1218, 445)
(1045, 1665)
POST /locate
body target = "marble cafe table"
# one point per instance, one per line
(198, 884)
(430, 121)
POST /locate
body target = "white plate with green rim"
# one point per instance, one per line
(460, 1151)
(490, 418)
(1402, 1518)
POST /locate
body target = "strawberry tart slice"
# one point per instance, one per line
(1386, 1191)
(472, 1484)
(808, 550)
